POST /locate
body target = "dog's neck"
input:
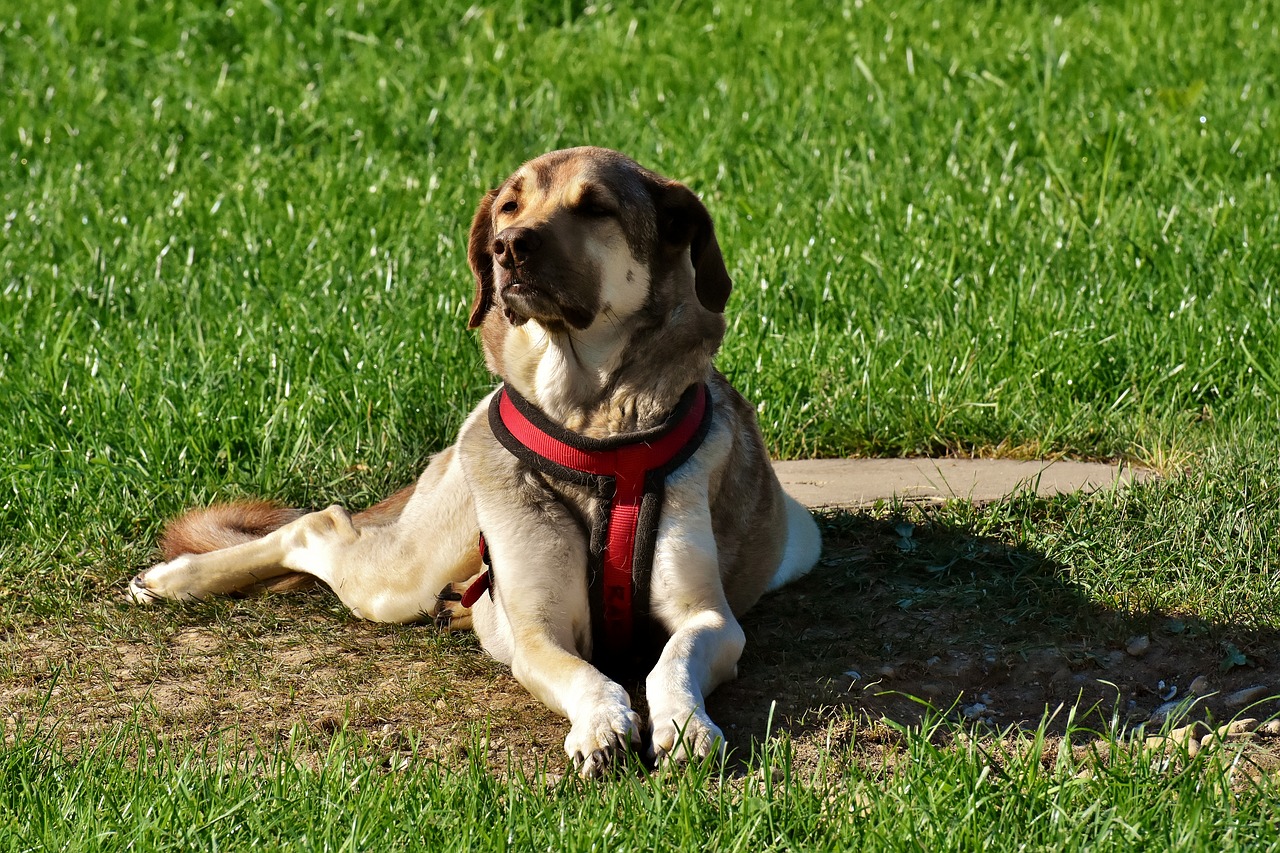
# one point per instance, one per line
(602, 381)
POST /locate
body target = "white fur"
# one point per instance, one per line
(386, 574)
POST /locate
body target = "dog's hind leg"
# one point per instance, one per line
(803, 547)
(386, 564)
(198, 573)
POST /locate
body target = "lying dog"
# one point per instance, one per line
(621, 485)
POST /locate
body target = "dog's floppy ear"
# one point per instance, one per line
(684, 220)
(479, 249)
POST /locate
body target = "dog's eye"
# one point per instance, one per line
(510, 207)
(594, 210)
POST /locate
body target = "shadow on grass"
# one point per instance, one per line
(910, 615)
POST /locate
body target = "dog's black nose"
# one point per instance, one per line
(514, 245)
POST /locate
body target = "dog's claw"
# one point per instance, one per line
(595, 765)
(138, 592)
(450, 615)
(684, 738)
(600, 742)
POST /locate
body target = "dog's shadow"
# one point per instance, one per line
(915, 620)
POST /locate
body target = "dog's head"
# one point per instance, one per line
(578, 233)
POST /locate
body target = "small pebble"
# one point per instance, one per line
(1199, 686)
(1235, 730)
(1246, 726)
(1271, 727)
(1171, 746)
(1138, 646)
(1188, 733)
(972, 711)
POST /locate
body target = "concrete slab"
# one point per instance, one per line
(861, 482)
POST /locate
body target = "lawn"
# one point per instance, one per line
(233, 263)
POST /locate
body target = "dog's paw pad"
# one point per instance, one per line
(449, 614)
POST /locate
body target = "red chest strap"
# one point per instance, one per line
(627, 461)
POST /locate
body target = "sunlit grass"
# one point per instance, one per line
(937, 789)
(233, 262)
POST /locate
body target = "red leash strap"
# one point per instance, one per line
(482, 584)
(628, 463)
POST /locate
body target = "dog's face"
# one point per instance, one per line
(585, 232)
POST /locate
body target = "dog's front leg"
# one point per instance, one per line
(540, 624)
(603, 727)
(699, 657)
(687, 597)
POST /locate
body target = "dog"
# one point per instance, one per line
(600, 291)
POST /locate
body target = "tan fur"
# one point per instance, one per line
(600, 291)
(385, 512)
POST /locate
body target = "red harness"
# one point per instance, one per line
(630, 472)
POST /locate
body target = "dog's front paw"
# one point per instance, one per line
(683, 737)
(163, 581)
(600, 739)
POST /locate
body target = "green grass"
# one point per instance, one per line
(232, 261)
(1030, 793)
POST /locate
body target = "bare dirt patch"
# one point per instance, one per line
(900, 622)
